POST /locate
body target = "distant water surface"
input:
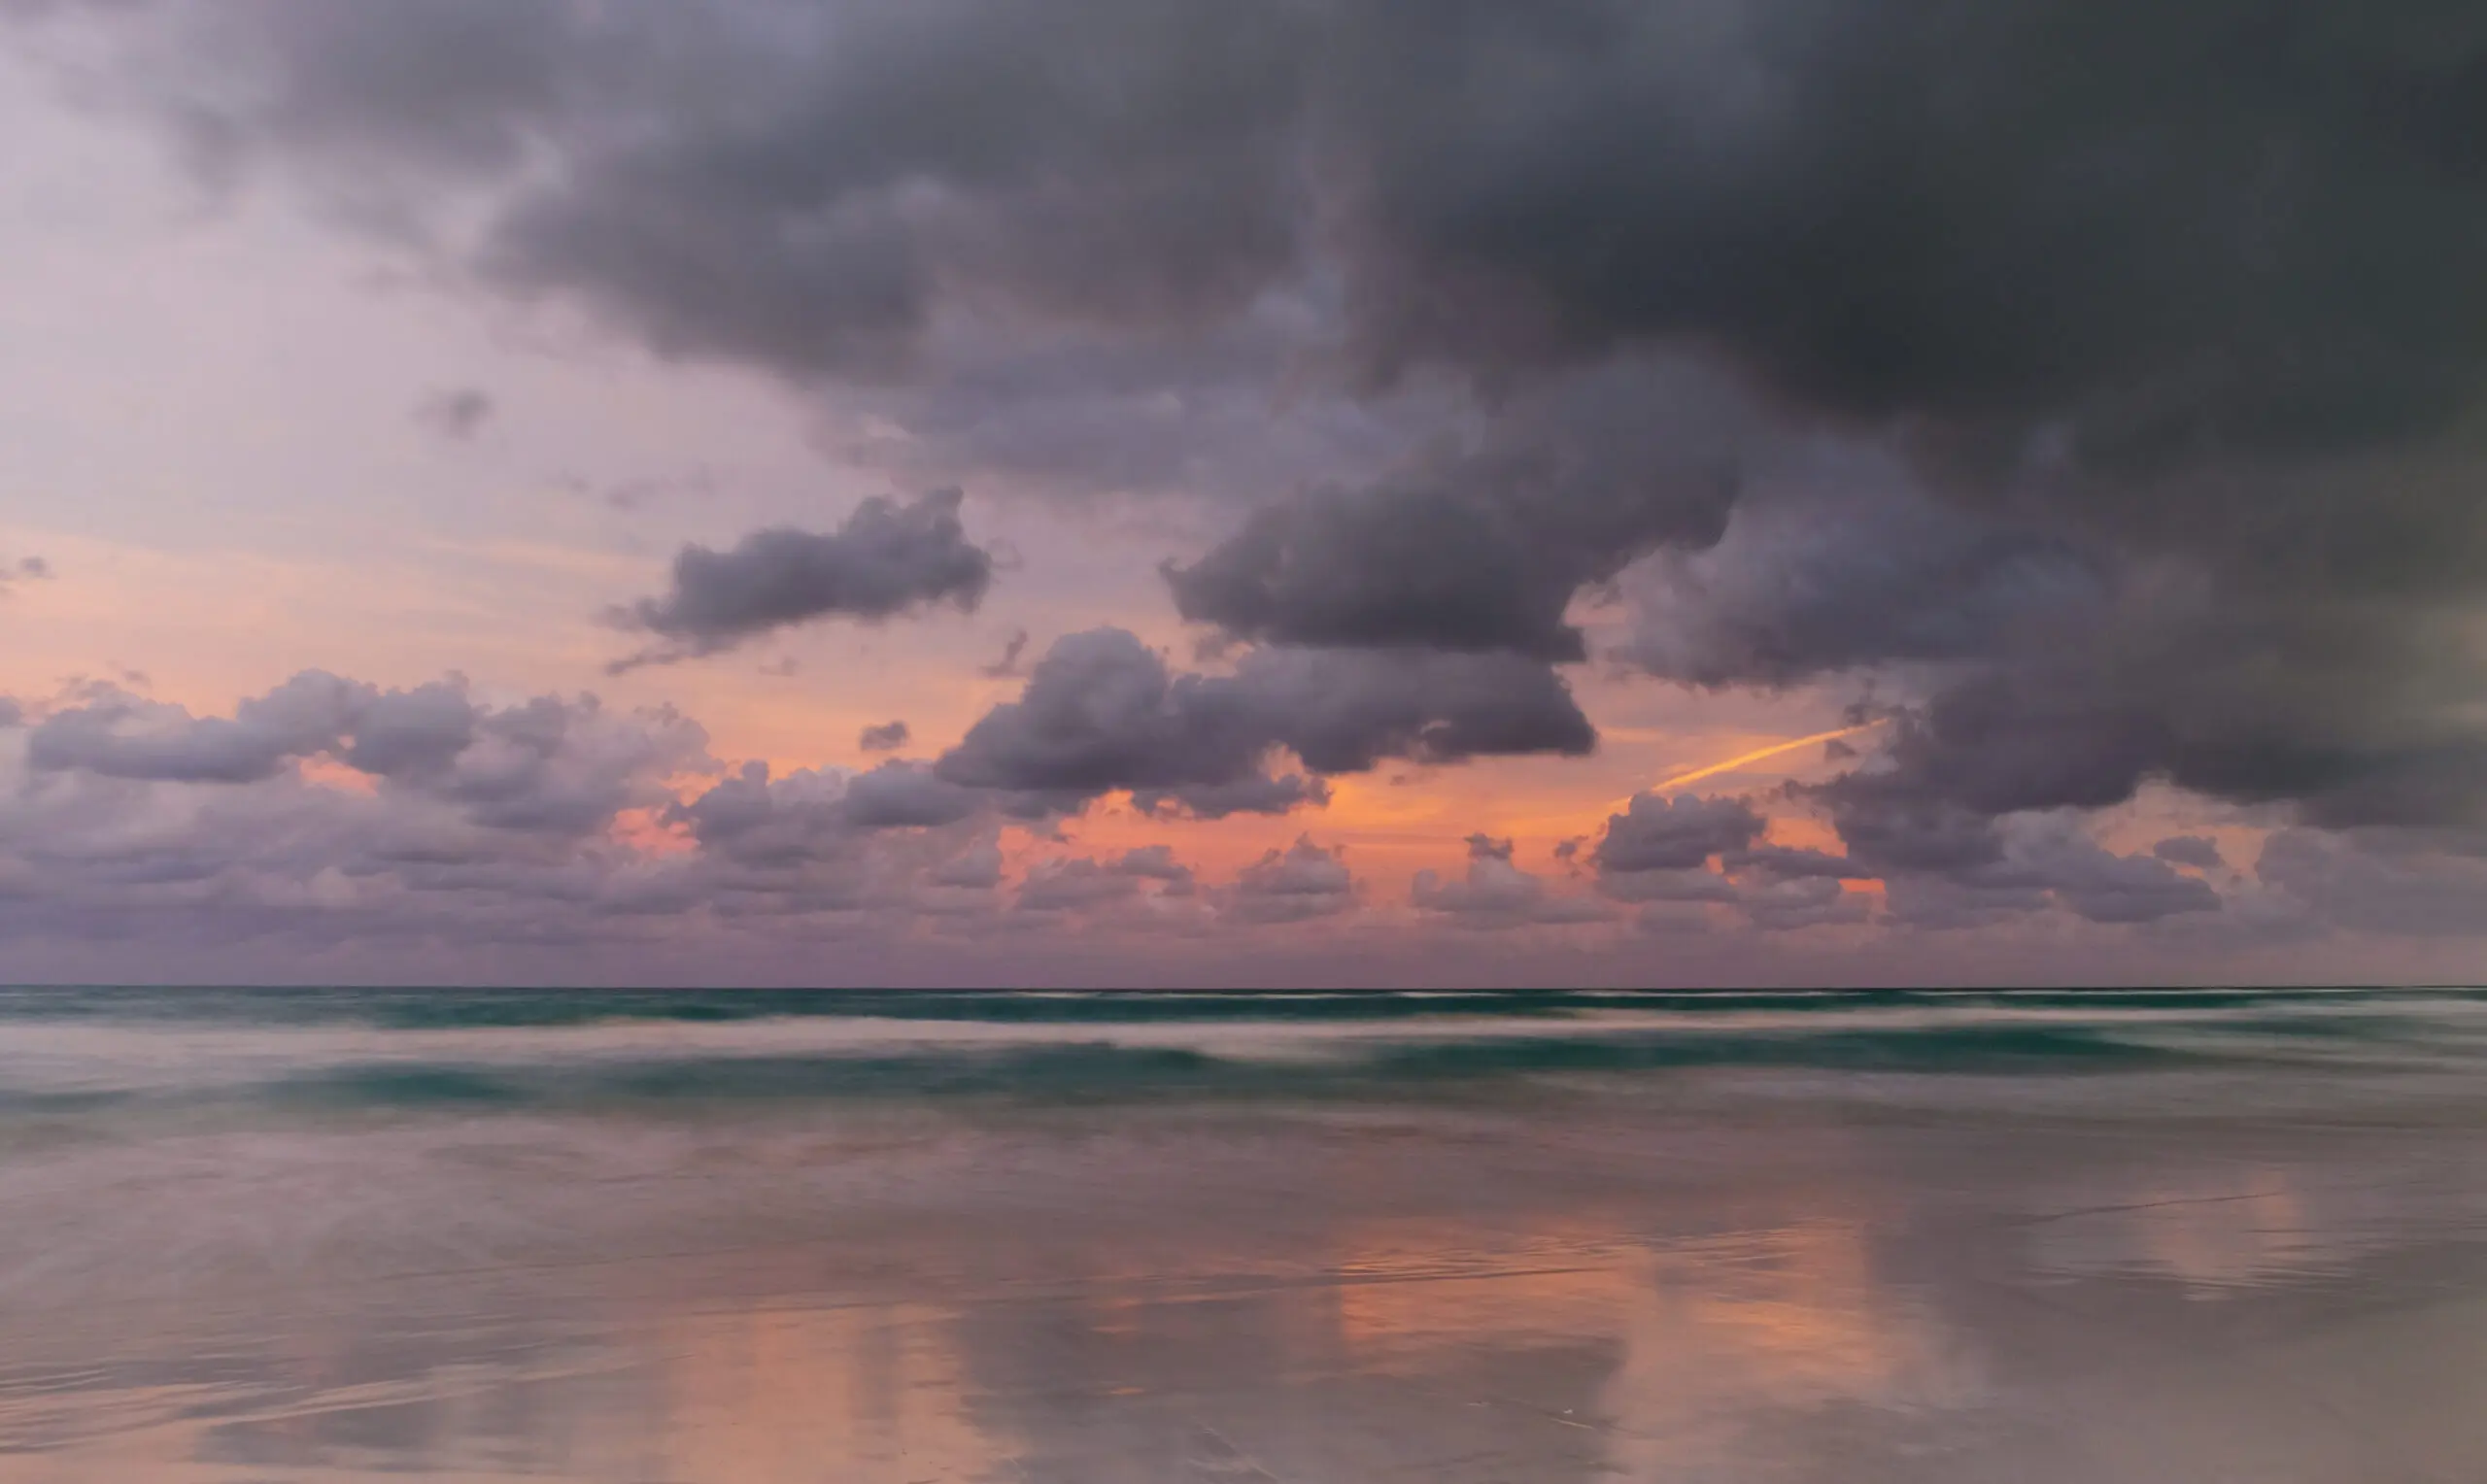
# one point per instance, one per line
(319, 1235)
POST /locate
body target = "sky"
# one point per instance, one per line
(1169, 491)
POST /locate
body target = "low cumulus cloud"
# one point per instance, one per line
(1496, 893)
(1101, 712)
(1946, 867)
(548, 764)
(328, 812)
(886, 561)
(1299, 884)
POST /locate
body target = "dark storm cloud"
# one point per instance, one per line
(883, 737)
(885, 561)
(2355, 717)
(1856, 574)
(797, 186)
(1101, 712)
(456, 414)
(1482, 549)
(2157, 225)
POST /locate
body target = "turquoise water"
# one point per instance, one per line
(68, 1050)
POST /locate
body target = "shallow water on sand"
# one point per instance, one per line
(1112, 1240)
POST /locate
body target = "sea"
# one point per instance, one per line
(1549, 1238)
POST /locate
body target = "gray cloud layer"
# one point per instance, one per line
(2163, 322)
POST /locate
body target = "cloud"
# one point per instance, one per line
(1860, 571)
(1792, 905)
(1160, 164)
(757, 818)
(1146, 878)
(1156, 862)
(900, 794)
(1691, 884)
(887, 559)
(1302, 882)
(434, 818)
(1344, 711)
(1942, 865)
(1485, 549)
(1675, 834)
(456, 414)
(547, 765)
(1496, 893)
(121, 735)
(2101, 886)
(1257, 794)
(2392, 882)
(1658, 852)
(978, 868)
(1783, 863)
(1072, 885)
(883, 737)
(1954, 870)
(2098, 381)
(815, 814)
(2197, 851)
(1007, 667)
(1101, 712)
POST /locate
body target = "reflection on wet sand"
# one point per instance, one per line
(1579, 1287)
(773, 1397)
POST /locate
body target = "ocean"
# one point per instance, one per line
(256, 1235)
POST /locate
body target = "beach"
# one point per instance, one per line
(1089, 1240)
